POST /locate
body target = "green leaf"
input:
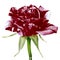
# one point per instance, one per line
(22, 40)
(29, 47)
(9, 35)
(41, 38)
(35, 40)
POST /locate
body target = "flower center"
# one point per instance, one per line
(30, 12)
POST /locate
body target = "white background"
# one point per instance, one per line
(9, 46)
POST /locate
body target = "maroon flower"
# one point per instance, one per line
(30, 20)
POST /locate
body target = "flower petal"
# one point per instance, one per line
(42, 9)
(49, 30)
(42, 12)
(9, 28)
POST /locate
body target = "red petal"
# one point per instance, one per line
(49, 30)
(42, 12)
(9, 28)
(42, 9)
(13, 10)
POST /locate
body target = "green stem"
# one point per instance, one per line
(29, 48)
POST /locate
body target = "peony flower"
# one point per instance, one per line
(29, 21)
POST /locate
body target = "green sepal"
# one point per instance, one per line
(41, 38)
(35, 40)
(22, 40)
(9, 35)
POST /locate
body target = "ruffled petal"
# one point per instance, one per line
(48, 30)
(42, 12)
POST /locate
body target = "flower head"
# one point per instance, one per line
(30, 20)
